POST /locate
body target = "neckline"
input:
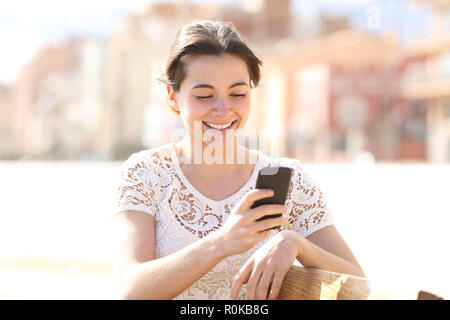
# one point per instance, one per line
(198, 194)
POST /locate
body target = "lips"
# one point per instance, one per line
(220, 126)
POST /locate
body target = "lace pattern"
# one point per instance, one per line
(152, 182)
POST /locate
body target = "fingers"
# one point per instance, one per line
(253, 284)
(252, 196)
(265, 209)
(276, 286)
(268, 224)
(240, 279)
(246, 271)
(263, 285)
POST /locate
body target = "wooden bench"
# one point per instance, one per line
(313, 284)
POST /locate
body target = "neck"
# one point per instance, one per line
(209, 159)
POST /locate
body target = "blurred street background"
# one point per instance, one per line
(358, 90)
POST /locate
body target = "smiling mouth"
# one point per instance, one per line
(221, 127)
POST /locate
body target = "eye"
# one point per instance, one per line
(203, 97)
(238, 95)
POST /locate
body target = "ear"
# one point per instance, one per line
(172, 98)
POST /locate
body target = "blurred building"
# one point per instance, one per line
(58, 112)
(341, 96)
(427, 79)
(131, 90)
(7, 149)
(260, 20)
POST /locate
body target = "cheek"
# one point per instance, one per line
(196, 107)
(190, 113)
(243, 111)
(242, 106)
(192, 109)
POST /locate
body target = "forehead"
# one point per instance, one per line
(214, 69)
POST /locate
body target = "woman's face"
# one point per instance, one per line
(215, 91)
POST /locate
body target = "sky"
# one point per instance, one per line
(26, 25)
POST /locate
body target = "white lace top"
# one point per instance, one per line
(151, 181)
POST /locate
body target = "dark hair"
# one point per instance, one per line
(210, 38)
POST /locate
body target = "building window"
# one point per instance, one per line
(415, 123)
(447, 110)
(447, 22)
(445, 64)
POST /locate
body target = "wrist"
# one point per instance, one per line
(216, 245)
(297, 240)
(301, 247)
(301, 244)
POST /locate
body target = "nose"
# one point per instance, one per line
(221, 109)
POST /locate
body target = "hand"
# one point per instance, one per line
(241, 232)
(267, 267)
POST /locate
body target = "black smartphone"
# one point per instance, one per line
(277, 179)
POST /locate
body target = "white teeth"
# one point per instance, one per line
(223, 126)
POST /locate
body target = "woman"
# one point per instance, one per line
(187, 229)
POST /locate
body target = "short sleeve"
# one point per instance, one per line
(309, 211)
(136, 186)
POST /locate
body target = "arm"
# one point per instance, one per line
(325, 249)
(143, 277)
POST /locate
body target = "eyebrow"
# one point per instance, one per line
(203, 85)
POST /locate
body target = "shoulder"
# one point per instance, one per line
(267, 160)
(148, 166)
(148, 159)
(299, 175)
